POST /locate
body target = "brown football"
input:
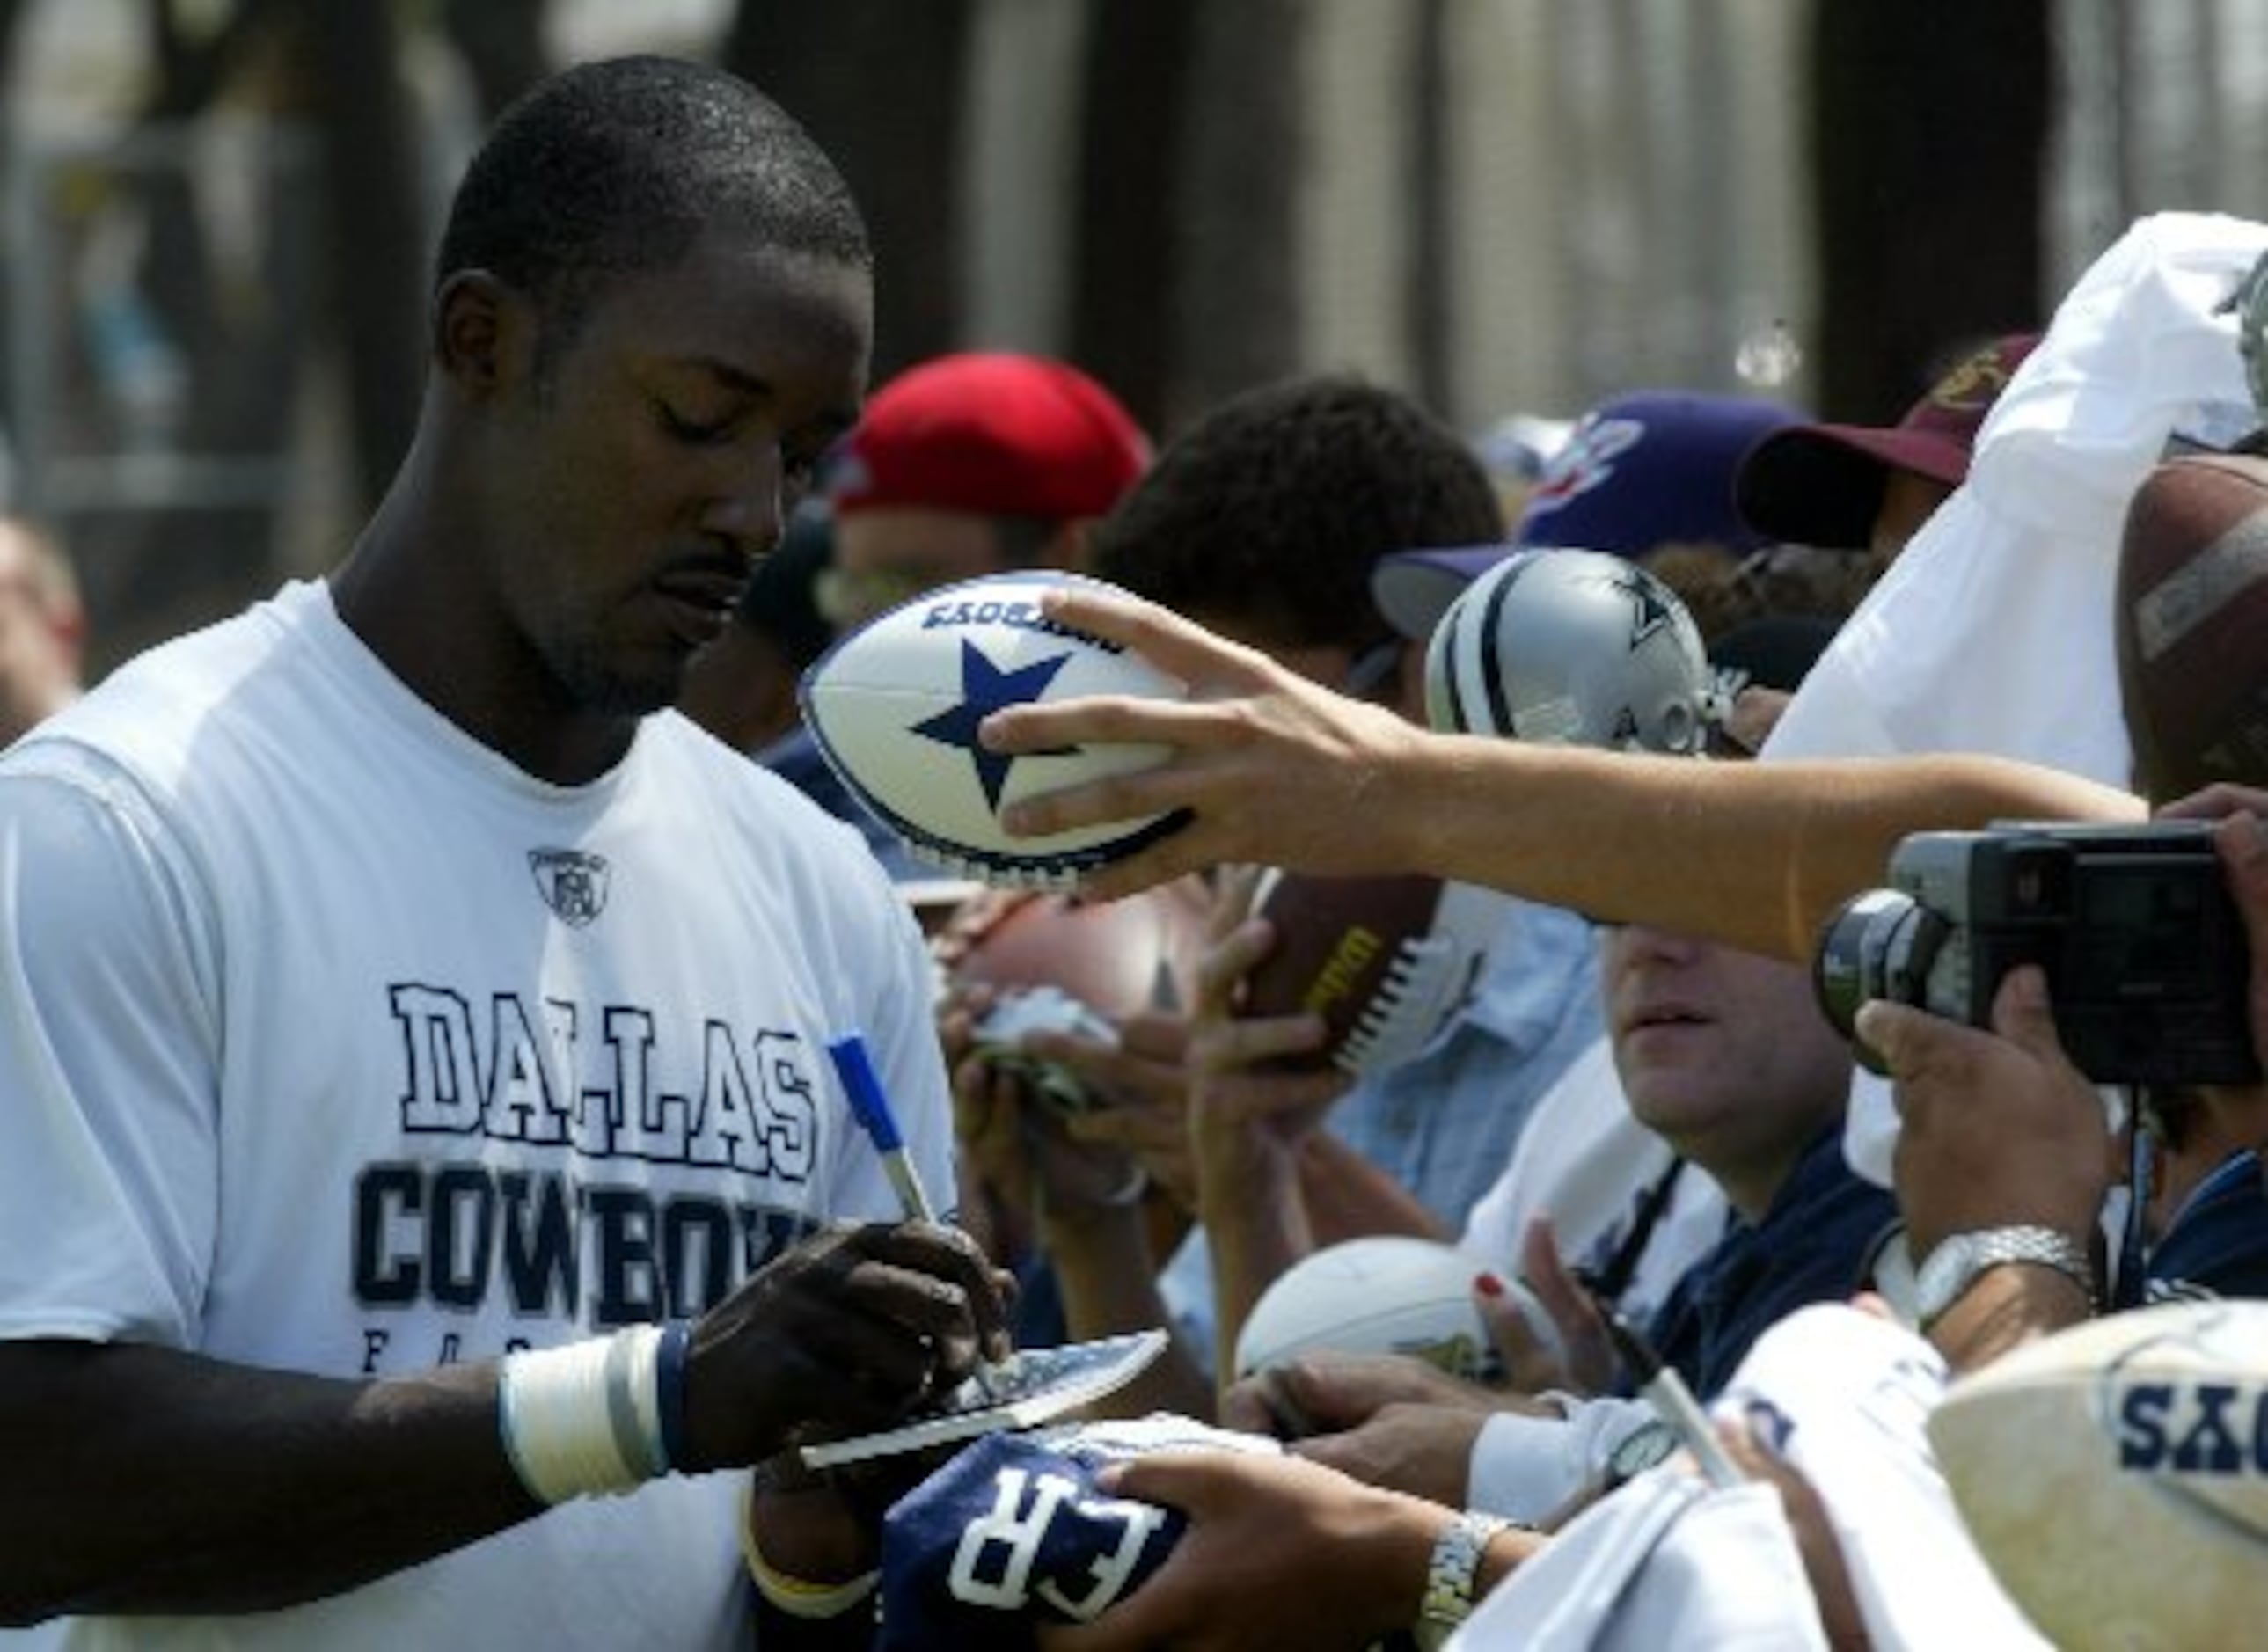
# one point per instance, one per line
(1383, 960)
(2192, 625)
(1115, 956)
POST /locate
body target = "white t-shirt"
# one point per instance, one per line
(1994, 631)
(333, 1042)
(1585, 1162)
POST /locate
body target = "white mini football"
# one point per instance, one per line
(1384, 1294)
(2116, 1476)
(894, 707)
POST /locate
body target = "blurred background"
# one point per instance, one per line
(219, 212)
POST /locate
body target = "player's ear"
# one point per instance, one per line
(483, 332)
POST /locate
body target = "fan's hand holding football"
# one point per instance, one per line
(853, 1329)
(1996, 1127)
(1276, 768)
(1245, 1113)
(1248, 1082)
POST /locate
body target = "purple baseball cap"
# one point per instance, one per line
(1650, 469)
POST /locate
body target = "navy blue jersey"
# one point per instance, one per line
(1812, 1245)
(1012, 1530)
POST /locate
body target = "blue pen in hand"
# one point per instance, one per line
(870, 1104)
(871, 1109)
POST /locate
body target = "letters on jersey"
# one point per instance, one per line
(600, 1084)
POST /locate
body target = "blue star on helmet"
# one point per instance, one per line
(984, 689)
(1649, 612)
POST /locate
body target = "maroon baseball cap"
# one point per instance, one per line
(1821, 484)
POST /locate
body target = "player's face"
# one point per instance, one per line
(1721, 1052)
(657, 454)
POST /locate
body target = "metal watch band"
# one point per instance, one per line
(1960, 1259)
(1449, 1576)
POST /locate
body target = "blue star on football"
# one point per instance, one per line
(985, 689)
(898, 706)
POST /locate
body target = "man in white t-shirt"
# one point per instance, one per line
(421, 1170)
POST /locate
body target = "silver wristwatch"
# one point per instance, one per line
(1449, 1575)
(1954, 1265)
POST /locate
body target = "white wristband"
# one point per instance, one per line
(584, 1420)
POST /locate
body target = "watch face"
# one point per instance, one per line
(1641, 1450)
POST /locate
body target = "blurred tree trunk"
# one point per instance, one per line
(150, 572)
(377, 240)
(1432, 230)
(1929, 125)
(502, 44)
(1235, 302)
(12, 14)
(346, 241)
(1122, 240)
(880, 84)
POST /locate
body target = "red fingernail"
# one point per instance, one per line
(1489, 1285)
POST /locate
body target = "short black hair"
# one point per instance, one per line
(1272, 507)
(617, 166)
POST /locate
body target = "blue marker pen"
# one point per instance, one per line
(871, 1108)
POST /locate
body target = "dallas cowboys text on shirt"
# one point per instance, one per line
(550, 1235)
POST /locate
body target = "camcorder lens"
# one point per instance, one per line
(1877, 945)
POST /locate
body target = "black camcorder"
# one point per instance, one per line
(2144, 949)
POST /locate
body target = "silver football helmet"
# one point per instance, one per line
(1571, 648)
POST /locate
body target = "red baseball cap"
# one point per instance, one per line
(1821, 484)
(996, 433)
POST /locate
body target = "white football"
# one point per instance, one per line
(2114, 1476)
(894, 708)
(1384, 1294)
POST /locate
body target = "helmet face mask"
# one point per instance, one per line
(1571, 648)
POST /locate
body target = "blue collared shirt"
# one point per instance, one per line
(1813, 1245)
(2217, 1243)
(1443, 1124)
